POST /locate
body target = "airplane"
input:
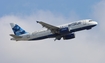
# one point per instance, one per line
(66, 31)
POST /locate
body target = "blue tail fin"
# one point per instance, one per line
(17, 29)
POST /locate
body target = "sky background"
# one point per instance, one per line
(87, 47)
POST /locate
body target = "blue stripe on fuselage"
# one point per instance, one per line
(82, 28)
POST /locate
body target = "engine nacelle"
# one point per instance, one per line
(64, 30)
(69, 36)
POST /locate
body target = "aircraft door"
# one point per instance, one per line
(84, 22)
(27, 36)
(69, 28)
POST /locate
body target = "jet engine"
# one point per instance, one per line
(69, 36)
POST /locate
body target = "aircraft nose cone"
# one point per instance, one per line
(95, 23)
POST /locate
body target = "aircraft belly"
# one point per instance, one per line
(43, 37)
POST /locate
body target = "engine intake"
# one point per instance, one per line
(69, 36)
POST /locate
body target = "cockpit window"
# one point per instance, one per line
(90, 20)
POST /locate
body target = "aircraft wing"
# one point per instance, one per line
(53, 29)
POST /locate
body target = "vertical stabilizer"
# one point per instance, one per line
(17, 29)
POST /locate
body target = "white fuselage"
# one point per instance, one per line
(72, 27)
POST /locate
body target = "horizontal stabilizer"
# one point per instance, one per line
(15, 36)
